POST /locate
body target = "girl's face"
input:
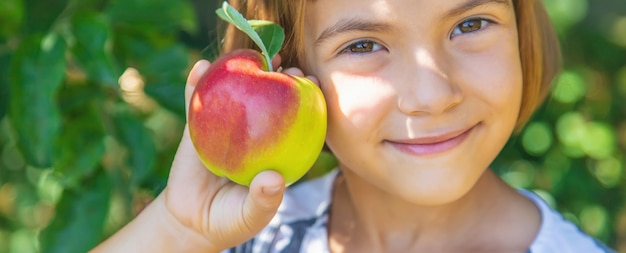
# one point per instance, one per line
(422, 95)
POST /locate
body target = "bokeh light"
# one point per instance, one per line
(537, 138)
(571, 132)
(619, 31)
(559, 165)
(609, 172)
(520, 174)
(566, 13)
(547, 197)
(593, 219)
(599, 141)
(569, 88)
(620, 81)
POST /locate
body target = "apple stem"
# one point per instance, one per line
(267, 35)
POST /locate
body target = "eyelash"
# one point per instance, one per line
(376, 46)
(483, 23)
(350, 49)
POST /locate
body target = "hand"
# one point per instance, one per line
(198, 211)
(225, 213)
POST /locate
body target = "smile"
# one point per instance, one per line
(433, 144)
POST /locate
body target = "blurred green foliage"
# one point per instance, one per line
(573, 153)
(92, 108)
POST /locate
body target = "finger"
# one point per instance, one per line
(186, 162)
(189, 179)
(276, 61)
(196, 72)
(294, 72)
(187, 158)
(192, 80)
(264, 197)
(298, 72)
(314, 80)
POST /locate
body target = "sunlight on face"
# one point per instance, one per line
(421, 95)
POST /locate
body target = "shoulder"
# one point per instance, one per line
(306, 200)
(557, 234)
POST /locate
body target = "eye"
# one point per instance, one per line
(363, 46)
(470, 26)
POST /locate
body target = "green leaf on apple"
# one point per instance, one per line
(268, 36)
(271, 34)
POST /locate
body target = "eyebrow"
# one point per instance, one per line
(360, 25)
(471, 4)
(351, 25)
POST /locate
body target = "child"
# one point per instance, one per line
(421, 95)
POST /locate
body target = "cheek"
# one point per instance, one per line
(496, 77)
(356, 104)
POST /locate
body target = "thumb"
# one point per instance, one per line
(264, 197)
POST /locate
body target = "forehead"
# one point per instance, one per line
(321, 12)
(325, 19)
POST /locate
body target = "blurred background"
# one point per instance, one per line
(92, 109)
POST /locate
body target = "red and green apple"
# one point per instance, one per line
(244, 118)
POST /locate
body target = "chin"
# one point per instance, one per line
(435, 192)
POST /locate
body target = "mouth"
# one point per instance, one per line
(431, 145)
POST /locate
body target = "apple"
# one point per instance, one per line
(244, 119)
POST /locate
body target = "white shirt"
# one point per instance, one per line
(300, 225)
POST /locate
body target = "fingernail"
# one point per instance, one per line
(271, 190)
(201, 64)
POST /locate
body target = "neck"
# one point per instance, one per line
(364, 214)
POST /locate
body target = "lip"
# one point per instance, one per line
(431, 145)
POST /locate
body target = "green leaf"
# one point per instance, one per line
(168, 93)
(131, 132)
(81, 143)
(80, 216)
(40, 16)
(230, 15)
(164, 73)
(85, 6)
(130, 47)
(272, 35)
(37, 72)
(172, 60)
(152, 16)
(11, 18)
(92, 35)
(5, 60)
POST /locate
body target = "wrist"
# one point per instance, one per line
(183, 238)
(155, 229)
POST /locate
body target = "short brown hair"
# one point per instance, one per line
(540, 53)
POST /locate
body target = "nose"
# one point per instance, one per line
(425, 88)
